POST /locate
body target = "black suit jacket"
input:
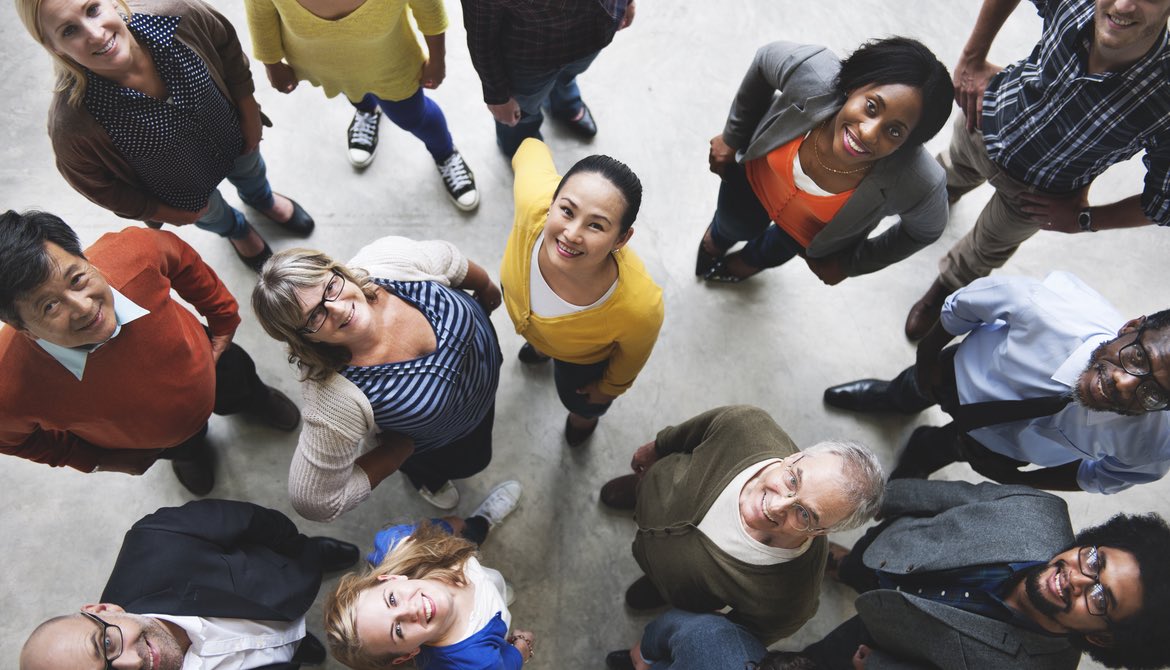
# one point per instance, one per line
(216, 558)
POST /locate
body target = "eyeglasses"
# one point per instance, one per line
(1089, 562)
(111, 640)
(803, 517)
(319, 314)
(1135, 361)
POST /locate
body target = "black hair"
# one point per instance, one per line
(1158, 320)
(1139, 641)
(617, 173)
(24, 261)
(901, 60)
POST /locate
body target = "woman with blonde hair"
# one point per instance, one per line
(153, 109)
(428, 600)
(399, 367)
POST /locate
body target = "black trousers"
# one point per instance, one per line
(462, 458)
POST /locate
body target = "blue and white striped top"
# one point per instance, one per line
(438, 398)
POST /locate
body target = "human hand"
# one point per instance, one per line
(628, 18)
(128, 461)
(433, 72)
(861, 656)
(507, 113)
(1056, 213)
(636, 657)
(489, 296)
(525, 643)
(971, 78)
(720, 156)
(830, 269)
(594, 394)
(282, 77)
(645, 456)
(219, 344)
(250, 126)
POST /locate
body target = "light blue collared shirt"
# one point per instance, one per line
(1030, 339)
(73, 358)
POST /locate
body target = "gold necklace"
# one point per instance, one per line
(817, 153)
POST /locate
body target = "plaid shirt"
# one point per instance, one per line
(536, 34)
(979, 589)
(1051, 125)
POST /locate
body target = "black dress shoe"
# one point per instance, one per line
(576, 436)
(197, 473)
(256, 263)
(584, 127)
(619, 660)
(278, 411)
(335, 554)
(310, 651)
(300, 223)
(528, 354)
(863, 395)
(643, 595)
(621, 492)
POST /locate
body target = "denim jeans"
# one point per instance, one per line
(250, 177)
(571, 376)
(532, 88)
(679, 640)
(418, 115)
(739, 216)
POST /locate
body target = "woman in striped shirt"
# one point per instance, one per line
(400, 368)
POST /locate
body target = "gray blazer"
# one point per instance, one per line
(940, 525)
(786, 92)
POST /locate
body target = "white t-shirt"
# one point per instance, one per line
(723, 525)
(219, 643)
(545, 301)
(489, 597)
(802, 180)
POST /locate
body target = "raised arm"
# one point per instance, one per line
(973, 72)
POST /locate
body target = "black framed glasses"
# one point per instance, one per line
(1089, 562)
(1136, 361)
(110, 640)
(319, 314)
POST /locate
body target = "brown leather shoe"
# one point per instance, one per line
(621, 492)
(277, 411)
(925, 312)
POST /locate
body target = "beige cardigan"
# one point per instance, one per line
(323, 480)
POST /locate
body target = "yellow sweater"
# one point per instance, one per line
(376, 49)
(622, 329)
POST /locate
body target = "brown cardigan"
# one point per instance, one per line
(86, 156)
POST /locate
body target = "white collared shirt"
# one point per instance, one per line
(74, 358)
(219, 643)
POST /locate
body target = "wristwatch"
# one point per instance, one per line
(1085, 220)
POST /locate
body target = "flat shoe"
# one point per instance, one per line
(256, 263)
(584, 127)
(719, 274)
(619, 660)
(576, 436)
(528, 354)
(704, 261)
(300, 223)
(620, 492)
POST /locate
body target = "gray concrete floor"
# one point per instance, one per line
(659, 92)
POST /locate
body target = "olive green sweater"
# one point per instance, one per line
(697, 461)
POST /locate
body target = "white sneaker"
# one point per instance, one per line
(500, 502)
(445, 498)
(459, 181)
(363, 137)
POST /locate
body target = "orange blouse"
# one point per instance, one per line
(800, 214)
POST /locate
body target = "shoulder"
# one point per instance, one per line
(809, 65)
(124, 254)
(641, 296)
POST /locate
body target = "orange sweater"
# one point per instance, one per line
(151, 387)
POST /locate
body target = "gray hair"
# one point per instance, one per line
(863, 480)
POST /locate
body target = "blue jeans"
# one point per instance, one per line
(418, 115)
(250, 177)
(532, 88)
(739, 216)
(571, 376)
(680, 640)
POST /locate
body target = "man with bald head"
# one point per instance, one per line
(211, 584)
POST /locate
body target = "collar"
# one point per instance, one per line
(125, 311)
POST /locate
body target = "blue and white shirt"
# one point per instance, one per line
(1051, 125)
(183, 147)
(441, 397)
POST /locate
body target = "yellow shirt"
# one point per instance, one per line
(623, 329)
(375, 49)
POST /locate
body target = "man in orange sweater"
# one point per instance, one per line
(100, 369)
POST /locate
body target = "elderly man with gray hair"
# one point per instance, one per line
(731, 513)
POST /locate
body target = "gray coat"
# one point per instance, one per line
(786, 92)
(940, 525)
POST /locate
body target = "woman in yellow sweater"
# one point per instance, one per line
(573, 288)
(369, 50)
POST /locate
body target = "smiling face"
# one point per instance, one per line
(76, 642)
(1056, 593)
(584, 223)
(1104, 385)
(346, 317)
(875, 121)
(399, 615)
(73, 308)
(90, 33)
(771, 513)
(1124, 30)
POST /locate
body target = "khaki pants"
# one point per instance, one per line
(1001, 227)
